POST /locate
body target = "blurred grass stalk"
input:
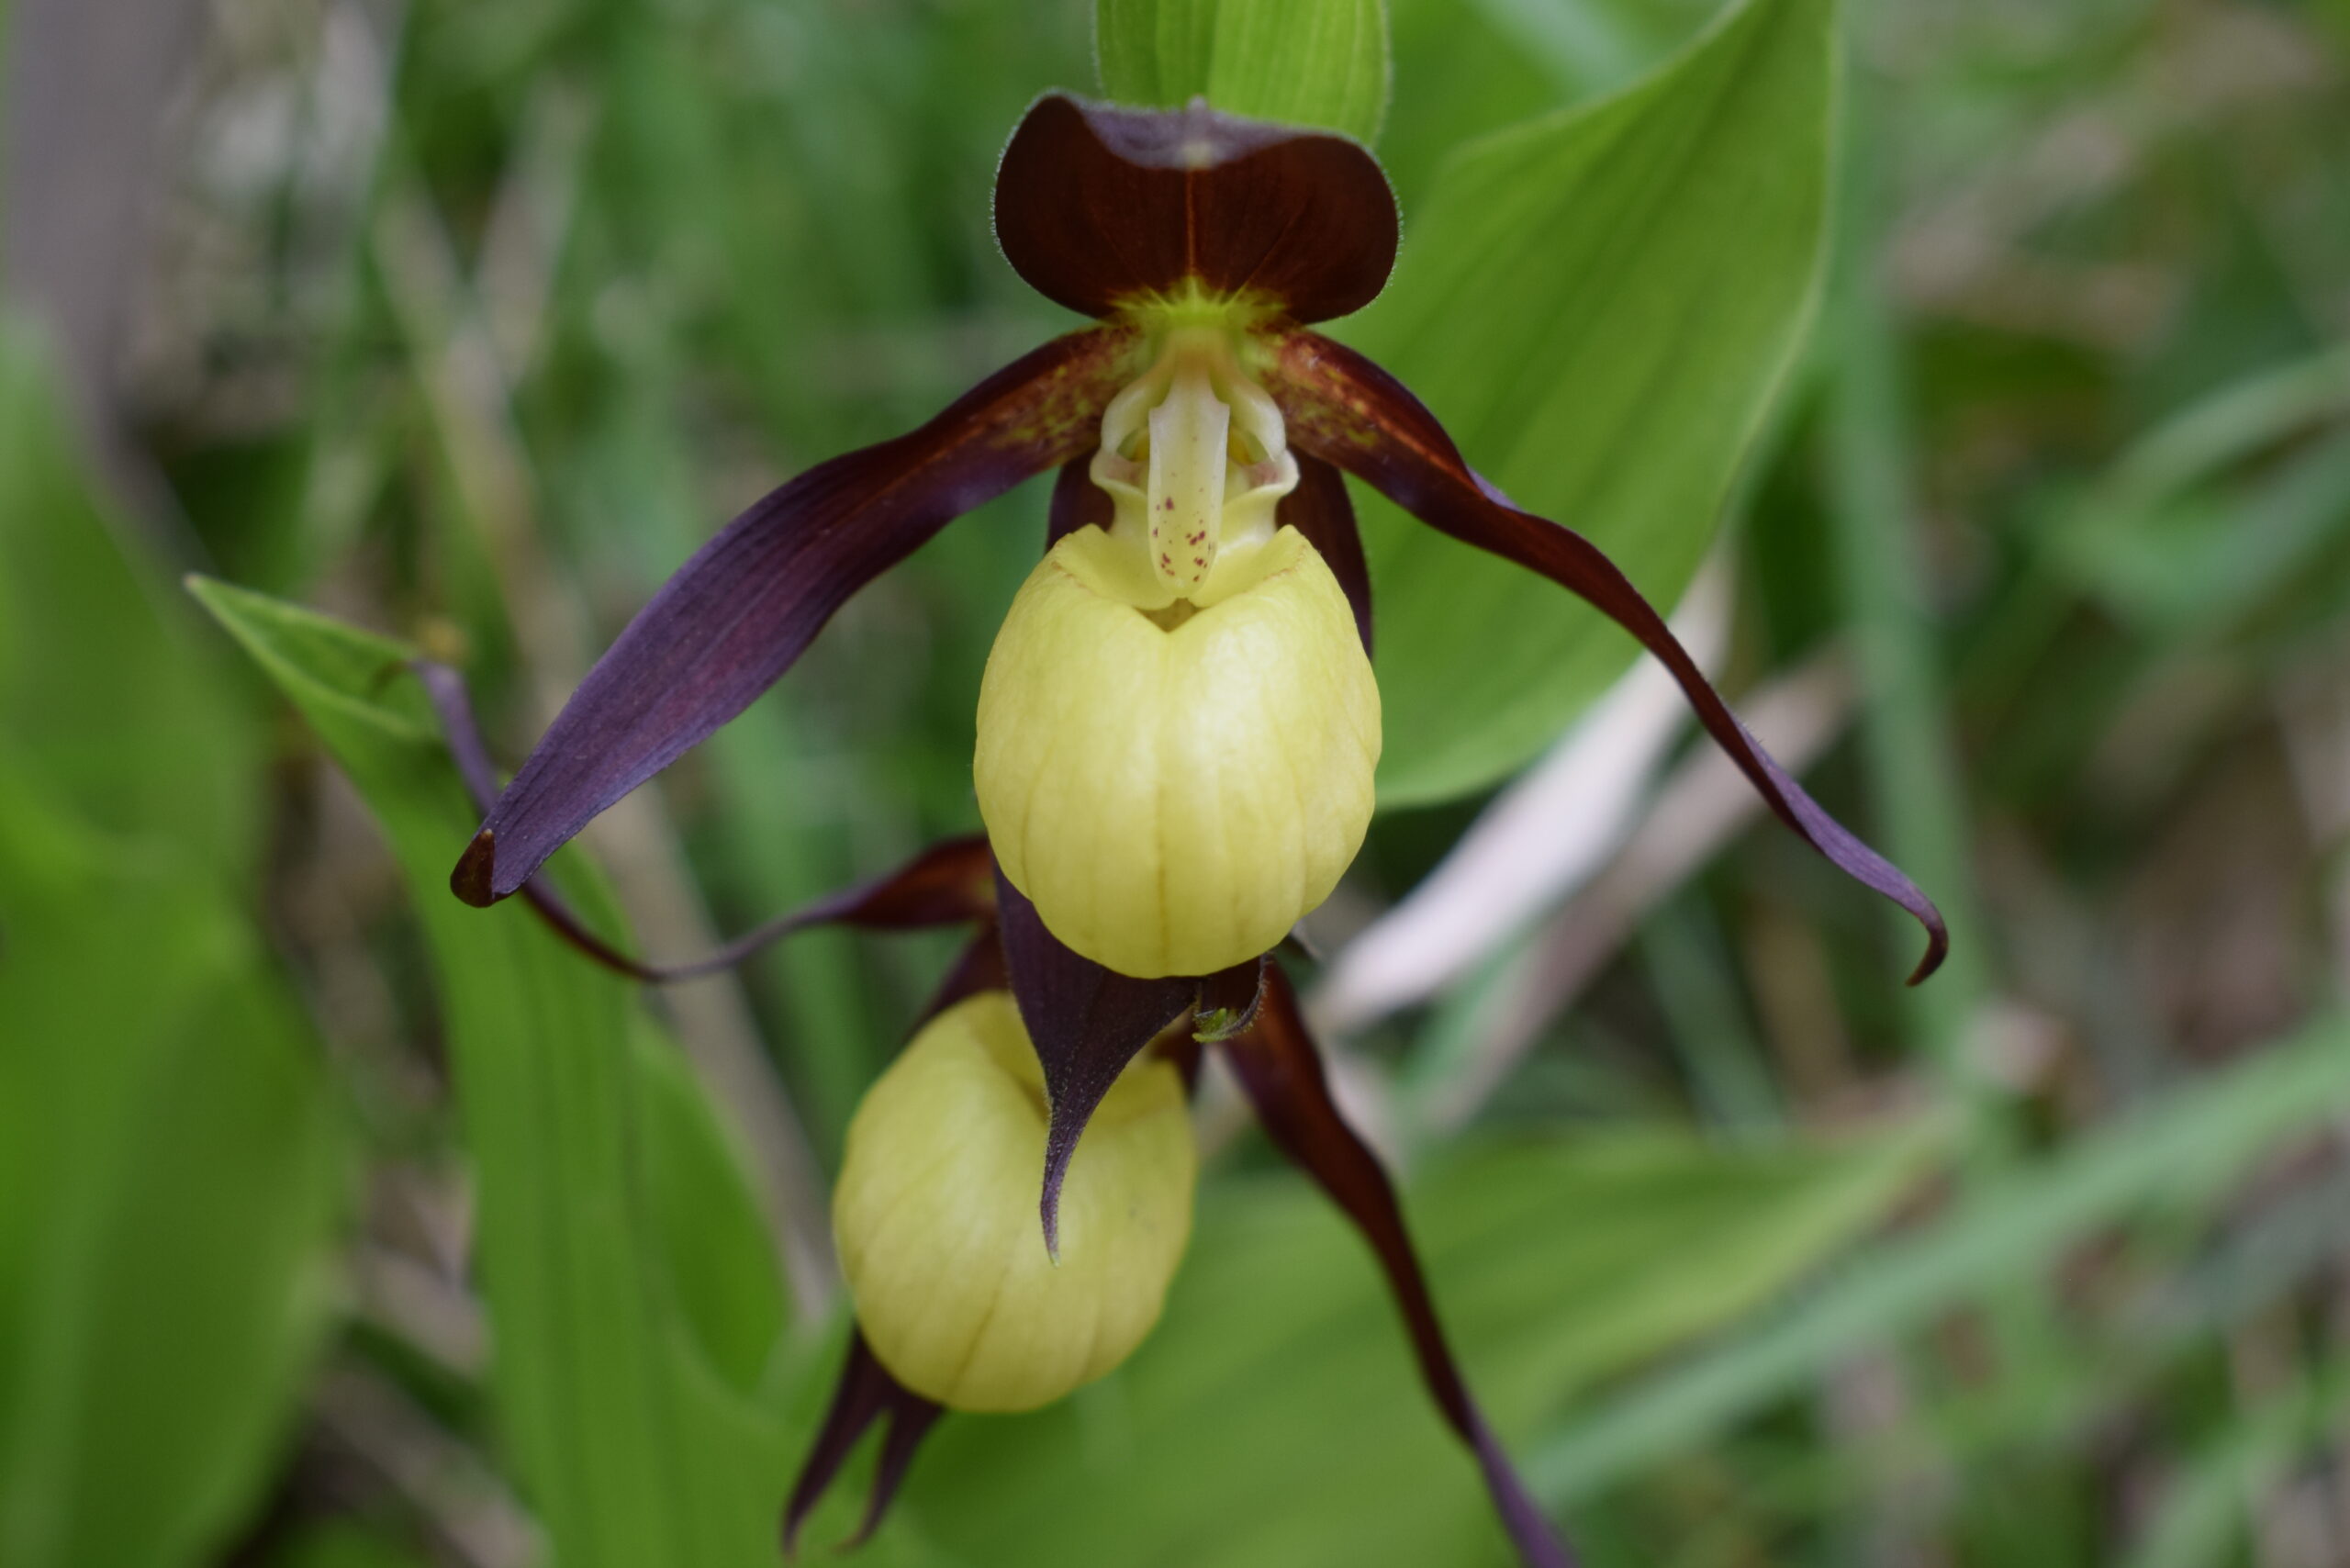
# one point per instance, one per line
(1918, 803)
(2010, 1228)
(1915, 799)
(1485, 1025)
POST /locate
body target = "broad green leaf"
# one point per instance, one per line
(102, 677)
(167, 1193)
(169, 1168)
(1318, 62)
(1600, 306)
(1275, 1417)
(1463, 77)
(713, 1240)
(632, 1301)
(342, 1543)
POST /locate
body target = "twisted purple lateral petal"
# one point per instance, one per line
(1281, 1072)
(739, 612)
(1320, 509)
(1085, 1022)
(1343, 408)
(946, 884)
(866, 1393)
(949, 882)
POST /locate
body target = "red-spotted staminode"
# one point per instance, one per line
(1176, 739)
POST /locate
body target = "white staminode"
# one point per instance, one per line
(1194, 458)
(1190, 445)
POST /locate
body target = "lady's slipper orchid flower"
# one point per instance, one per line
(930, 1330)
(1175, 737)
(935, 1235)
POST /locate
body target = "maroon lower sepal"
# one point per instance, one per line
(866, 1393)
(1281, 1072)
(1086, 1023)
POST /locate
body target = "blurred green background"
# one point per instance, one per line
(341, 1227)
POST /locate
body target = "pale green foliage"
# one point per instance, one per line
(169, 1164)
(628, 1365)
(104, 674)
(1599, 305)
(1318, 62)
(1280, 1386)
(167, 1168)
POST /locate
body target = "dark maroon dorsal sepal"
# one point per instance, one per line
(1098, 208)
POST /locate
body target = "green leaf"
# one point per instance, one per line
(1600, 306)
(170, 1169)
(717, 1265)
(1318, 62)
(633, 1300)
(167, 1193)
(102, 677)
(1279, 1388)
(343, 1544)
